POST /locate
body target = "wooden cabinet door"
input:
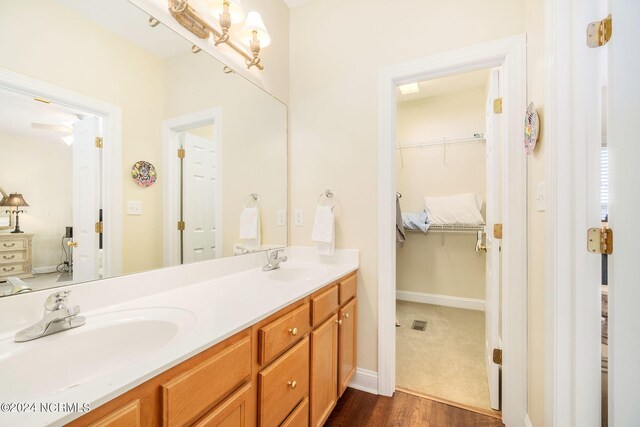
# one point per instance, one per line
(324, 370)
(233, 412)
(127, 416)
(347, 346)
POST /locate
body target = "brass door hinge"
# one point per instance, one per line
(497, 231)
(497, 356)
(600, 240)
(181, 153)
(599, 32)
(99, 142)
(497, 105)
(99, 227)
(181, 225)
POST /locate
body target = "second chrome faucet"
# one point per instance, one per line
(273, 260)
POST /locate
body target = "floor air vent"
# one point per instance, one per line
(419, 325)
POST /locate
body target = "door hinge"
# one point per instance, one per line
(497, 105)
(497, 356)
(600, 240)
(181, 153)
(599, 32)
(181, 225)
(99, 142)
(497, 231)
(99, 227)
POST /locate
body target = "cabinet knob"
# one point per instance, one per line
(339, 322)
(293, 384)
(346, 315)
(293, 331)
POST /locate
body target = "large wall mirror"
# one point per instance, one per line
(123, 151)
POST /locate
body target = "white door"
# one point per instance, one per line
(493, 214)
(86, 200)
(200, 198)
(624, 206)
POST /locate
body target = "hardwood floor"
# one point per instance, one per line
(357, 408)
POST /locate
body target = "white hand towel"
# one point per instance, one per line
(250, 227)
(324, 230)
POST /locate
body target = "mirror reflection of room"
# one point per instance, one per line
(105, 173)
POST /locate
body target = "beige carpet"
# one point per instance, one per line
(447, 360)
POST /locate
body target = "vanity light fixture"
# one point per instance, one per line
(17, 201)
(227, 12)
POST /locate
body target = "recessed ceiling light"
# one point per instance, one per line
(410, 88)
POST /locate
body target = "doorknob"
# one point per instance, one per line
(72, 244)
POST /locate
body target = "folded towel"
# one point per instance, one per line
(415, 221)
(323, 232)
(250, 227)
(400, 237)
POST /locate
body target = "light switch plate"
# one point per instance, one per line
(282, 217)
(134, 207)
(540, 202)
(298, 218)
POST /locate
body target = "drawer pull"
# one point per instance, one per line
(8, 269)
(346, 315)
(293, 331)
(339, 322)
(293, 384)
(7, 245)
(9, 257)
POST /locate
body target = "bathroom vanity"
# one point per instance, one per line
(217, 343)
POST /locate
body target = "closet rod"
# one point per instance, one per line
(441, 141)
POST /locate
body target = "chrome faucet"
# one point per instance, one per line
(58, 317)
(273, 260)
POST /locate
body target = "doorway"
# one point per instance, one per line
(192, 200)
(509, 54)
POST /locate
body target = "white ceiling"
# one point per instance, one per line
(127, 21)
(19, 111)
(449, 84)
(294, 3)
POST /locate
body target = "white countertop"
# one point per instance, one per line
(222, 306)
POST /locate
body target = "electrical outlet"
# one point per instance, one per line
(134, 207)
(282, 217)
(298, 219)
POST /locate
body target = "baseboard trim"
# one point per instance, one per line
(46, 269)
(365, 380)
(445, 300)
(527, 421)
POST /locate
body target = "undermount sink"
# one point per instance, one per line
(291, 274)
(50, 365)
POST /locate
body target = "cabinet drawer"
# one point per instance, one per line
(324, 304)
(127, 416)
(281, 334)
(189, 395)
(13, 245)
(283, 384)
(231, 412)
(348, 288)
(11, 257)
(12, 269)
(299, 417)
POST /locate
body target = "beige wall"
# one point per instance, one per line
(431, 264)
(44, 180)
(253, 146)
(536, 174)
(334, 108)
(112, 70)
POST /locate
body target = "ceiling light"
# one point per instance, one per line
(410, 88)
(68, 139)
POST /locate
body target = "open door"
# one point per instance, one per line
(201, 199)
(493, 258)
(86, 200)
(624, 205)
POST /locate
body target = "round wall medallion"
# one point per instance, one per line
(531, 129)
(144, 173)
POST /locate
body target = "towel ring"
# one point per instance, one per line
(251, 198)
(328, 195)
